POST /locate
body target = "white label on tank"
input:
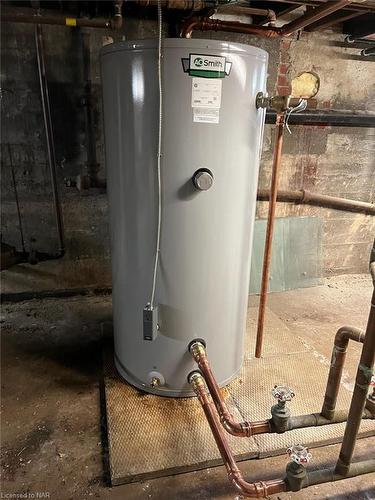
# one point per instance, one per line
(206, 115)
(206, 93)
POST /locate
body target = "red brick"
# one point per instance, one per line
(283, 90)
(284, 57)
(283, 68)
(282, 81)
(312, 103)
(285, 44)
(326, 104)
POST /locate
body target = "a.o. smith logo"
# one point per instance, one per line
(206, 66)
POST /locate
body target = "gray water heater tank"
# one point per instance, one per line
(211, 142)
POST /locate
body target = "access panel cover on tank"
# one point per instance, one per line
(211, 141)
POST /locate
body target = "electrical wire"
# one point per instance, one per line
(301, 106)
(158, 237)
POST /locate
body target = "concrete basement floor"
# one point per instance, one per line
(50, 411)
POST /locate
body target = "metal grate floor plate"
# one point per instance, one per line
(150, 436)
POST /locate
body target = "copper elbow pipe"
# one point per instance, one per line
(253, 490)
(342, 338)
(239, 429)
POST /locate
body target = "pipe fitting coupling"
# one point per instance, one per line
(195, 378)
(197, 349)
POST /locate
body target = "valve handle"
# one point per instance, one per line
(283, 393)
(299, 454)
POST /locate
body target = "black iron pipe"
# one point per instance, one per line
(317, 420)
(320, 200)
(49, 137)
(329, 475)
(30, 16)
(332, 118)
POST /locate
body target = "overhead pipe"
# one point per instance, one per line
(306, 197)
(313, 16)
(30, 16)
(361, 388)
(233, 9)
(207, 24)
(262, 489)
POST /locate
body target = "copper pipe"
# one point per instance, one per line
(259, 489)
(280, 124)
(362, 384)
(244, 429)
(341, 343)
(319, 200)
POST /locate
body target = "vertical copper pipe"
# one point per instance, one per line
(259, 489)
(362, 384)
(342, 338)
(280, 124)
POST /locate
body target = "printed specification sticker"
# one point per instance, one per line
(205, 115)
(206, 93)
(206, 99)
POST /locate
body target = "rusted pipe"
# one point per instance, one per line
(49, 137)
(341, 343)
(192, 5)
(28, 16)
(320, 200)
(207, 24)
(246, 429)
(116, 22)
(313, 15)
(362, 384)
(280, 124)
(259, 489)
